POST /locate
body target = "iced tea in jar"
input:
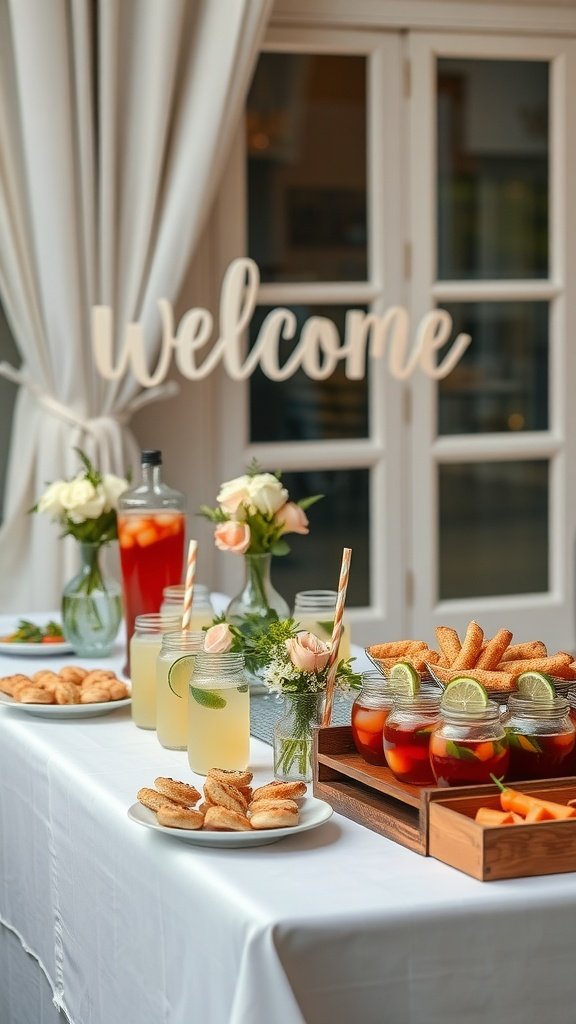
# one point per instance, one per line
(469, 745)
(407, 733)
(369, 713)
(541, 736)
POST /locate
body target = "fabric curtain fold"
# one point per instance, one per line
(115, 123)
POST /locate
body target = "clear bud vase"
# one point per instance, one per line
(91, 607)
(258, 596)
(293, 736)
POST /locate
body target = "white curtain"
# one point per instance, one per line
(115, 119)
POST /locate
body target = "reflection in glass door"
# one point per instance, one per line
(496, 535)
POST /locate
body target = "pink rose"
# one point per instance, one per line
(292, 518)
(231, 536)
(307, 652)
(218, 639)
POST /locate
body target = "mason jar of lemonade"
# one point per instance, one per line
(218, 714)
(145, 645)
(202, 610)
(174, 667)
(314, 610)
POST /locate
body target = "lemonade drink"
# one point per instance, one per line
(218, 714)
(314, 610)
(144, 649)
(174, 667)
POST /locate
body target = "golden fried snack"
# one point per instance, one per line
(246, 792)
(8, 684)
(97, 675)
(491, 656)
(223, 819)
(449, 643)
(273, 817)
(496, 680)
(179, 817)
(470, 650)
(266, 803)
(154, 800)
(118, 690)
(34, 695)
(550, 665)
(72, 674)
(397, 649)
(237, 778)
(423, 658)
(179, 792)
(224, 795)
(280, 790)
(96, 694)
(66, 693)
(531, 649)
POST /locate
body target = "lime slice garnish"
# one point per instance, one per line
(536, 686)
(465, 694)
(404, 679)
(180, 674)
(207, 698)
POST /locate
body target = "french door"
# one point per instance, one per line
(422, 170)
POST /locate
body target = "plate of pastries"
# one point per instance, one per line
(72, 692)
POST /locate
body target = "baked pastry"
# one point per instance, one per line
(179, 817)
(224, 795)
(179, 792)
(118, 690)
(223, 819)
(95, 694)
(233, 778)
(46, 678)
(8, 684)
(280, 804)
(72, 674)
(34, 695)
(273, 790)
(154, 800)
(66, 693)
(273, 817)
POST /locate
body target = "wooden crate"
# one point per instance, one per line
(439, 821)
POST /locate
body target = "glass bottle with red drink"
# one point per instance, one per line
(407, 733)
(468, 746)
(151, 534)
(541, 736)
(369, 713)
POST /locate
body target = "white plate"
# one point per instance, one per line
(313, 812)
(65, 710)
(35, 650)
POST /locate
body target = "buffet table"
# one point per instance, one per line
(124, 926)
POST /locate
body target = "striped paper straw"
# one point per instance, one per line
(336, 634)
(189, 583)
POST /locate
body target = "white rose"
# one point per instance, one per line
(51, 500)
(113, 487)
(81, 500)
(233, 493)
(266, 494)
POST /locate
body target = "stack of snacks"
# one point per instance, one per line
(71, 685)
(228, 803)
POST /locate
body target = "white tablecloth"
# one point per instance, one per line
(329, 927)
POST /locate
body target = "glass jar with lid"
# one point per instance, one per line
(174, 667)
(145, 644)
(468, 746)
(202, 610)
(541, 736)
(314, 610)
(370, 710)
(407, 733)
(218, 714)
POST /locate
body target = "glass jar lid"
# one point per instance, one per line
(313, 600)
(479, 714)
(426, 700)
(154, 622)
(211, 665)
(182, 640)
(529, 708)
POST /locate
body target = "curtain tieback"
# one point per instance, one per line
(63, 412)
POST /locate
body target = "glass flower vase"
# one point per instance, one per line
(91, 606)
(258, 596)
(293, 736)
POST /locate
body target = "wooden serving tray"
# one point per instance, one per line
(439, 822)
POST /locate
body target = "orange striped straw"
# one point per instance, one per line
(336, 634)
(189, 583)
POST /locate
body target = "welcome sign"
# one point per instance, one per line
(318, 351)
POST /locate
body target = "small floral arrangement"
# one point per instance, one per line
(288, 660)
(85, 507)
(254, 514)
